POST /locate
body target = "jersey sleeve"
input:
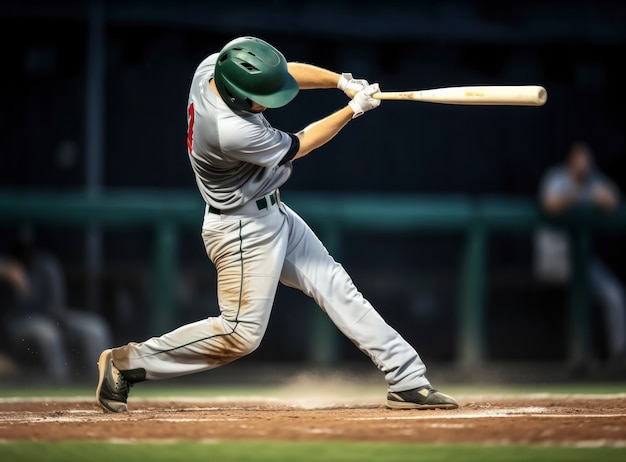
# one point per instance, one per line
(259, 144)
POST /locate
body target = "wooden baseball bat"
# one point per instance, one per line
(495, 95)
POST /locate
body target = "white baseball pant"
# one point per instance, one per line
(252, 251)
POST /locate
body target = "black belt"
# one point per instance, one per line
(260, 203)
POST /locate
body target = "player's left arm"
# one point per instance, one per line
(321, 132)
(310, 77)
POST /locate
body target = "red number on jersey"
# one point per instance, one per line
(190, 129)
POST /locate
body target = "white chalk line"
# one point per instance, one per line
(450, 425)
(76, 416)
(477, 415)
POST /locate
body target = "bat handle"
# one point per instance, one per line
(378, 95)
(351, 93)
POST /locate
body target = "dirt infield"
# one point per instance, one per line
(585, 420)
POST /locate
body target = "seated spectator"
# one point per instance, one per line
(578, 182)
(12, 284)
(39, 325)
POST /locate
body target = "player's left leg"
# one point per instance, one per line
(248, 253)
(310, 268)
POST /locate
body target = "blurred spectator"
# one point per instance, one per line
(37, 321)
(578, 182)
(12, 283)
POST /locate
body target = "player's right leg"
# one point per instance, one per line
(310, 268)
(248, 254)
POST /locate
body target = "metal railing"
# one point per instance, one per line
(167, 213)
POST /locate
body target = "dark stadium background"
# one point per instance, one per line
(575, 49)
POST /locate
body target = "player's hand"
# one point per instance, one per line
(363, 101)
(349, 85)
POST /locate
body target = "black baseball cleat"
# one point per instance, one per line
(420, 398)
(113, 388)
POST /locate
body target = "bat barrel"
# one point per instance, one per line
(531, 95)
(512, 95)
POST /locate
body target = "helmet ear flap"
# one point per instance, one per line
(234, 100)
(232, 97)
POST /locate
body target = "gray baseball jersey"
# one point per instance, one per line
(236, 155)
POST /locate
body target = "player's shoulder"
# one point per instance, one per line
(240, 128)
(207, 65)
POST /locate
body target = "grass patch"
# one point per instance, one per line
(298, 451)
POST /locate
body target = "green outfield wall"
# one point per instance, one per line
(476, 218)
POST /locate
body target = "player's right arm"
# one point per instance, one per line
(310, 77)
(321, 132)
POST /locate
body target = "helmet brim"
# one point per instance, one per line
(280, 98)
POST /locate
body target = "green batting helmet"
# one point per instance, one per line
(249, 69)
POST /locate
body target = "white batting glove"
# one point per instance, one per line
(349, 85)
(363, 101)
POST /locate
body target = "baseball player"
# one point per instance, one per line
(254, 239)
